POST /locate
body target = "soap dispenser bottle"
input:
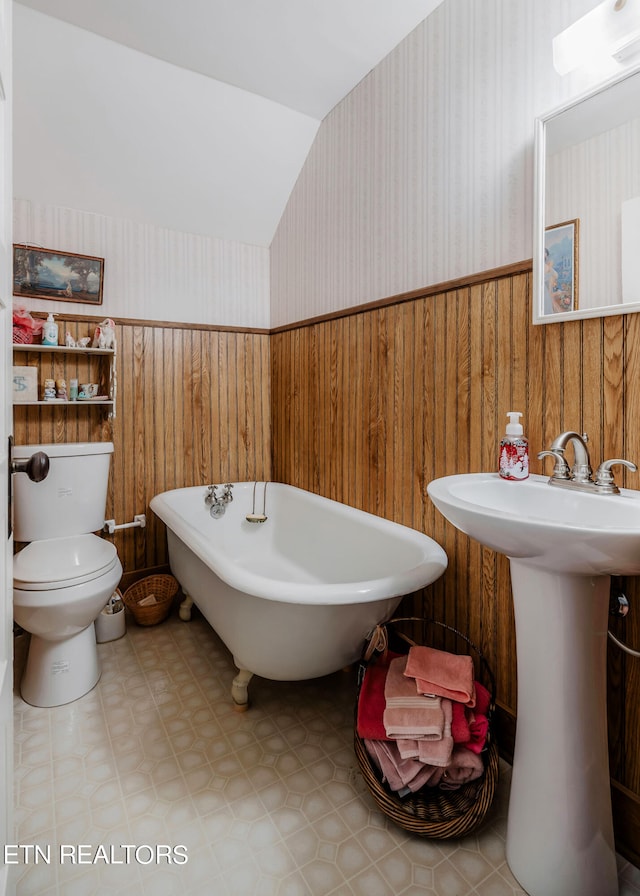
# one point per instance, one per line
(50, 331)
(514, 450)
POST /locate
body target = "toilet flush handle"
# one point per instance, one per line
(36, 468)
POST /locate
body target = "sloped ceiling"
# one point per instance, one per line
(197, 115)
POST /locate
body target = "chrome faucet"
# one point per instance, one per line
(217, 497)
(581, 469)
(580, 475)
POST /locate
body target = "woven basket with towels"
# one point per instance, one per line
(449, 796)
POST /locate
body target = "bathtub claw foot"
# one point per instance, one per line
(239, 690)
(185, 608)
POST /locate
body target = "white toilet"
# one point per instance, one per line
(65, 575)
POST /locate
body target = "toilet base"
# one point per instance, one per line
(59, 672)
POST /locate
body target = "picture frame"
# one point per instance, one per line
(59, 276)
(560, 266)
(25, 384)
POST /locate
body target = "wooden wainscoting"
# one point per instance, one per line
(370, 406)
(192, 407)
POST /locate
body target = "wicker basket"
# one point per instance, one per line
(431, 812)
(22, 336)
(163, 587)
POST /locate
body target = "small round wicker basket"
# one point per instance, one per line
(163, 588)
(431, 812)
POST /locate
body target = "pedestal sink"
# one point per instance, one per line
(562, 546)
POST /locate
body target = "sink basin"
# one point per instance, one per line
(562, 546)
(543, 525)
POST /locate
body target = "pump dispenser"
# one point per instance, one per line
(514, 450)
(50, 331)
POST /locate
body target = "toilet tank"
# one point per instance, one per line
(71, 500)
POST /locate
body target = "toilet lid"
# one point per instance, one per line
(57, 562)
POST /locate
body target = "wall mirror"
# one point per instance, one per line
(587, 205)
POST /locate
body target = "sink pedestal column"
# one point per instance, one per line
(560, 830)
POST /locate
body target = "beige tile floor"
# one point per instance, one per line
(266, 803)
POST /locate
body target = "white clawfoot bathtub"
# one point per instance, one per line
(292, 597)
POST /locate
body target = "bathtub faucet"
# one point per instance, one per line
(217, 497)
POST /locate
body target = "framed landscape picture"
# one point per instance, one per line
(61, 276)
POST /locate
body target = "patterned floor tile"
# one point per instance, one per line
(173, 792)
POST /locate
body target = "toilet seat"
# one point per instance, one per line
(62, 562)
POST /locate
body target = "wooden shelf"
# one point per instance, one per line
(63, 349)
(105, 372)
(58, 404)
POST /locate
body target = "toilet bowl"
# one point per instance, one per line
(60, 584)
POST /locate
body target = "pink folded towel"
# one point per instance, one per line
(371, 700)
(400, 774)
(478, 731)
(411, 774)
(398, 689)
(460, 724)
(478, 721)
(464, 767)
(432, 752)
(408, 714)
(407, 747)
(419, 724)
(443, 674)
(483, 699)
(438, 752)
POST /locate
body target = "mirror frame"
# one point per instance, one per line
(540, 125)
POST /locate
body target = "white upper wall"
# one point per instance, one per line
(424, 173)
(103, 128)
(176, 179)
(153, 273)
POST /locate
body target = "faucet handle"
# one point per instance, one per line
(604, 476)
(561, 467)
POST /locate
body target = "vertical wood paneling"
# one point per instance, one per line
(358, 388)
(428, 383)
(554, 420)
(462, 450)
(353, 394)
(192, 407)
(420, 506)
(408, 392)
(613, 390)
(519, 361)
(590, 375)
(630, 629)
(435, 424)
(505, 395)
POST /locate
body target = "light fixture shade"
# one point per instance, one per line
(611, 29)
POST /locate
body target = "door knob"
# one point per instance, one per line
(36, 468)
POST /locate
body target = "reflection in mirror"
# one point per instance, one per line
(587, 205)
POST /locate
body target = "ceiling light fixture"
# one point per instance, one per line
(611, 29)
